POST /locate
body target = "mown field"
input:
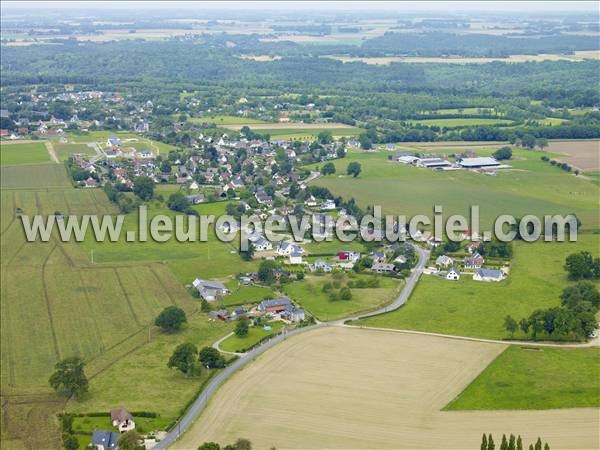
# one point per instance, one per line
(535, 378)
(310, 294)
(471, 308)
(227, 120)
(23, 153)
(34, 176)
(255, 334)
(127, 138)
(64, 151)
(373, 390)
(531, 187)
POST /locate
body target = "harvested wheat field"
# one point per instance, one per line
(584, 155)
(341, 388)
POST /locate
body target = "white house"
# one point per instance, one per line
(210, 290)
(320, 265)
(113, 141)
(453, 274)
(286, 249)
(295, 257)
(260, 243)
(122, 419)
(328, 205)
(383, 268)
(488, 275)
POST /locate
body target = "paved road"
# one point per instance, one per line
(200, 403)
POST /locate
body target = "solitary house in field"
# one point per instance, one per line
(104, 440)
(210, 290)
(122, 419)
(453, 274)
(488, 275)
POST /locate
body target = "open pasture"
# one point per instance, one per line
(23, 153)
(472, 308)
(34, 176)
(228, 120)
(374, 390)
(461, 122)
(64, 151)
(310, 295)
(539, 378)
(530, 187)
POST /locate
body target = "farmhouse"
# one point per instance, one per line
(453, 274)
(488, 275)
(478, 163)
(275, 305)
(294, 314)
(295, 257)
(210, 290)
(104, 440)
(122, 419)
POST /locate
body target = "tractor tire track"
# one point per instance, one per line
(49, 305)
(135, 317)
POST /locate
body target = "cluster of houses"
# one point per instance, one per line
(467, 160)
(473, 264)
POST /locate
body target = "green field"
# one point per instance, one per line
(226, 120)
(34, 176)
(543, 378)
(533, 187)
(240, 344)
(309, 294)
(23, 153)
(64, 151)
(308, 133)
(461, 122)
(128, 139)
(466, 110)
(471, 308)
(245, 294)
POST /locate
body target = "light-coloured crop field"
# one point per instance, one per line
(293, 126)
(576, 56)
(228, 120)
(23, 153)
(32, 176)
(584, 155)
(348, 388)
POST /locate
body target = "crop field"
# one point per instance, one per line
(294, 126)
(461, 122)
(228, 120)
(530, 187)
(582, 154)
(472, 308)
(539, 378)
(56, 303)
(34, 176)
(240, 344)
(309, 293)
(23, 153)
(374, 390)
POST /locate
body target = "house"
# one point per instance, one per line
(453, 274)
(378, 256)
(294, 314)
(348, 255)
(240, 311)
(275, 305)
(122, 419)
(328, 205)
(210, 290)
(90, 183)
(286, 249)
(104, 440)
(474, 262)
(444, 261)
(113, 141)
(195, 199)
(260, 244)
(407, 159)
(320, 266)
(383, 268)
(263, 198)
(220, 314)
(295, 257)
(488, 275)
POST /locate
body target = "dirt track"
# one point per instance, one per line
(349, 388)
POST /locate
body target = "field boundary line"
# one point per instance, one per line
(11, 370)
(14, 217)
(474, 339)
(89, 303)
(52, 152)
(162, 285)
(135, 317)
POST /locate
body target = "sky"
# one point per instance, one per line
(434, 6)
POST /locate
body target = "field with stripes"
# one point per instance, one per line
(56, 303)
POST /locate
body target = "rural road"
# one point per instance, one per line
(202, 400)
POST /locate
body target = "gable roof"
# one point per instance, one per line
(489, 273)
(120, 414)
(107, 439)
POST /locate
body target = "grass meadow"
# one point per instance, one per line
(472, 308)
(535, 378)
(530, 187)
(310, 295)
(23, 153)
(461, 122)
(240, 344)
